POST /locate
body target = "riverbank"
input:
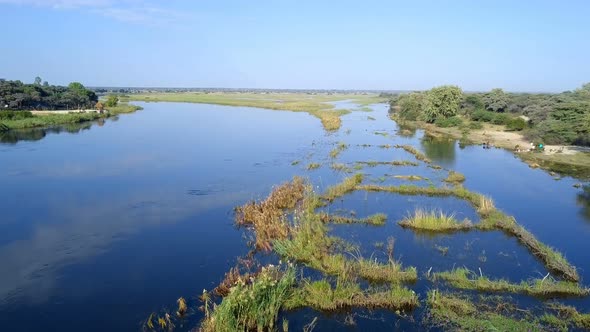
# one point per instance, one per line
(567, 160)
(22, 120)
(318, 105)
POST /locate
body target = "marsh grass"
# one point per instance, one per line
(566, 317)
(491, 219)
(347, 185)
(434, 221)
(321, 295)
(391, 272)
(267, 217)
(312, 166)
(340, 167)
(252, 304)
(409, 177)
(417, 154)
(545, 288)
(377, 219)
(451, 312)
(455, 177)
(370, 118)
(339, 148)
(372, 163)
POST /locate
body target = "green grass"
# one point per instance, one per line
(455, 177)
(417, 154)
(391, 163)
(339, 148)
(566, 317)
(347, 185)
(433, 221)
(321, 295)
(453, 313)
(377, 219)
(545, 288)
(409, 177)
(251, 306)
(391, 272)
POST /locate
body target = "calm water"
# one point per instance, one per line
(104, 223)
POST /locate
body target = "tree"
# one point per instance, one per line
(38, 80)
(112, 101)
(99, 106)
(410, 105)
(496, 100)
(442, 101)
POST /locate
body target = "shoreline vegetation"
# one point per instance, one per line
(550, 131)
(316, 104)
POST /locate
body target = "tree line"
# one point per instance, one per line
(559, 118)
(16, 95)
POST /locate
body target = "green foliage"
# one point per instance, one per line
(475, 125)
(442, 101)
(496, 100)
(112, 101)
(501, 119)
(453, 121)
(516, 124)
(19, 96)
(15, 115)
(410, 106)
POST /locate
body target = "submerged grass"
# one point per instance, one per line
(451, 312)
(377, 219)
(392, 163)
(566, 317)
(409, 177)
(417, 154)
(433, 221)
(339, 148)
(546, 288)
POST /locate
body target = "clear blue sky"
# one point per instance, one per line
(516, 45)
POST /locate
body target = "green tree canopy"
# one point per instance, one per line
(442, 101)
(496, 100)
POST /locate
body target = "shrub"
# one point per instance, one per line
(15, 115)
(475, 125)
(517, 124)
(501, 119)
(484, 116)
(443, 122)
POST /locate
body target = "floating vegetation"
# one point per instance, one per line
(409, 177)
(546, 288)
(455, 177)
(443, 250)
(267, 217)
(434, 221)
(451, 312)
(348, 185)
(340, 167)
(313, 166)
(339, 148)
(419, 155)
(377, 219)
(251, 304)
(382, 133)
(436, 167)
(295, 162)
(321, 295)
(391, 163)
(370, 118)
(566, 317)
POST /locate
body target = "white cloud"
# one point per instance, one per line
(131, 11)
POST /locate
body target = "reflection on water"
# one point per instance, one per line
(583, 200)
(35, 134)
(439, 149)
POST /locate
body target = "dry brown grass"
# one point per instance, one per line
(267, 217)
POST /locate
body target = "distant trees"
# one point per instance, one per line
(562, 118)
(18, 96)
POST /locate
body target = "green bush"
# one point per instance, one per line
(501, 119)
(484, 116)
(516, 124)
(15, 115)
(443, 122)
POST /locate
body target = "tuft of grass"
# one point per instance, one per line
(370, 118)
(433, 221)
(392, 272)
(313, 166)
(485, 206)
(566, 316)
(347, 185)
(417, 154)
(442, 249)
(372, 163)
(455, 177)
(340, 167)
(546, 288)
(295, 162)
(339, 148)
(252, 305)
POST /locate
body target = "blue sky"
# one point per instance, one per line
(390, 45)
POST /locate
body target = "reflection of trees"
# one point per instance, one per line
(35, 134)
(406, 130)
(583, 199)
(439, 149)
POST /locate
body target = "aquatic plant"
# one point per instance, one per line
(547, 287)
(566, 317)
(392, 163)
(417, 154)
(339, 148)
(313, 166)
(252, 304)
(434, 221)
(455, 177)
(409, 177)
(377, 219)
(391, 272)
(347, 185)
